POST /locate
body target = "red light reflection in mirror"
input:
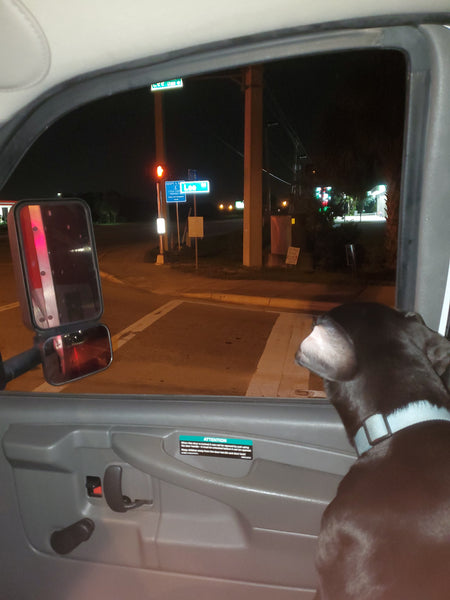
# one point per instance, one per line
(74, 355)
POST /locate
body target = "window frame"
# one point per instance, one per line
(422, 246)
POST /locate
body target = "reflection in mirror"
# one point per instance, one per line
(61, 263)
(73, 355)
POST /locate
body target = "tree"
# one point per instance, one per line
(362, 132)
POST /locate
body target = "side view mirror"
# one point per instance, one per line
(70, 356)
(56, 269)
(55, 261)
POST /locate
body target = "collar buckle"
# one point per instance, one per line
(377, 428)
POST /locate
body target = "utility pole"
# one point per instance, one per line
(161, 157)
(253, 165)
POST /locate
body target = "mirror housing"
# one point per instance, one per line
(56, 269)
(53, 250)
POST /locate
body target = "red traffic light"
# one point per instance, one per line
(160, 170)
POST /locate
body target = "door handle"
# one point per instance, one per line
(112, 490)
(300, 490)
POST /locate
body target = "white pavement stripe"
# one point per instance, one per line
(123, 337)
(9, 306)
(277, 375)
(111, 278)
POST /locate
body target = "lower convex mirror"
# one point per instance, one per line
(70, 356)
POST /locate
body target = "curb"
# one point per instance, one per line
(304, 305)
(315, 306)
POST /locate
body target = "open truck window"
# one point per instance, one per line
(291, 173)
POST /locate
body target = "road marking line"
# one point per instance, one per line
(124, 336)
(110, 278)
(277, 375)
(9, 306)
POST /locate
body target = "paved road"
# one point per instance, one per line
(169, 345)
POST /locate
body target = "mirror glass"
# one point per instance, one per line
(60, 262)
(76, 354)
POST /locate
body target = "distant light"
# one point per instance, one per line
(221, 207)
(161, 226)
(239, 205)
(284, 203)
(59, 194)
(230, 207)
(293, 221)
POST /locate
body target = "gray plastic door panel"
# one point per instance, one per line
(182, 498)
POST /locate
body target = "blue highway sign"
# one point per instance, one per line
(174, 193)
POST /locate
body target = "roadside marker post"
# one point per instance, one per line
(174, 195)
(195, 187)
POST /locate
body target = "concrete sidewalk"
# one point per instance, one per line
(287, 295)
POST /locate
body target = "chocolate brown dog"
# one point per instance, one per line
(386, 535)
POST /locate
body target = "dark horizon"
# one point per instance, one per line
(108, 145)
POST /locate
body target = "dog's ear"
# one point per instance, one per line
(329, 352)
(413, 316)
(434, 346)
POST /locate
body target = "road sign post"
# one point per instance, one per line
(196, 231)
(160, 145)
(195, 187)
(174, 196)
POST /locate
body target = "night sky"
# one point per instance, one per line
(345, 108)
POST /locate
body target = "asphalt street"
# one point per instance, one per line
(180, 333)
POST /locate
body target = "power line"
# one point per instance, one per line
(280, 115)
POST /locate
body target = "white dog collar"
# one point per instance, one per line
(378, 427)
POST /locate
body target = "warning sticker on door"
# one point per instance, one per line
(221, 447)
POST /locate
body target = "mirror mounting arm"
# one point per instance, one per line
(18, 365)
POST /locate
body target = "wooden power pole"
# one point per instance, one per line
(253, 165)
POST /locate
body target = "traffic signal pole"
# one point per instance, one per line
(160, 147)
(160, 257)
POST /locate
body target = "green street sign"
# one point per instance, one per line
(167, 85)
(194, 187)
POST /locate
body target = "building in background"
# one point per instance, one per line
(5, 207)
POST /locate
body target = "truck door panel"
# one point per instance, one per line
(239, 522)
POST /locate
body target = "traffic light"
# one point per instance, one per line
(160, 171)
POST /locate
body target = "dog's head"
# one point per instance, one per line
(375, 359)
